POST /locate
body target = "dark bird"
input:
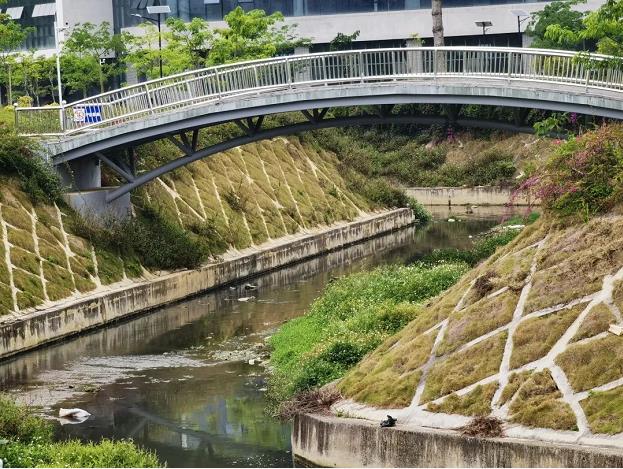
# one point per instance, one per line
(390, 422)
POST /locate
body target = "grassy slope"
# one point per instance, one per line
(412, 160)
(237, 199)
(571, 263)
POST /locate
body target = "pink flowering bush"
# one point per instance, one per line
(584, 176)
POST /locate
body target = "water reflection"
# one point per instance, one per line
(179, 380)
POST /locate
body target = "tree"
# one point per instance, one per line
(253, 35)
(35, 75)
(12, 37)
(192, 40)
(437, 12)
(85, 52)
(558, 14)
(343, 41)
(600, 30)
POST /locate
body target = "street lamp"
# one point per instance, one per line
(521, 17)
(484, 25)
(159, 11)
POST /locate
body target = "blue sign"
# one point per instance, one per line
(90, 114)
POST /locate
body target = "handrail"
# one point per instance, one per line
(348, 67)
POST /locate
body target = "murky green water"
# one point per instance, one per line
(179, 380)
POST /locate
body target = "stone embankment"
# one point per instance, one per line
(19, 333)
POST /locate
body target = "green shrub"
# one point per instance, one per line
(19, 424)
(583, 177)
(19, 157)
(156, 242)
(77, 454)
(352, 317)
(26, 441)
(484, 246)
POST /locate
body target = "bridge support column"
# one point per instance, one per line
(81, 174)
(85, 194)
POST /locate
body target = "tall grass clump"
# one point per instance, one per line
(19, 158)
(351, 318)
(26, 441)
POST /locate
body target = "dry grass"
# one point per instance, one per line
(574, 262)
(465, 367)
(538, 404)
(515, 380)
(597, 321)
(480, 318)
(484, 427)
(389, 376)
(593, 364)
(472, 404)
(617, 294)
(604, 411)
(535, 337)
(439, 308)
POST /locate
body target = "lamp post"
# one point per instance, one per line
(159, 11)
(484, 25)
(521, 17)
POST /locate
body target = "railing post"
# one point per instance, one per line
(150, 105)
(588, 77)
(61, 115)
(288, 72)
(510, 66)
(218, 84)
(257, 77)
(361, 72)
(435, 64)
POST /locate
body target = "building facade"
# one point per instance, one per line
(382, 23)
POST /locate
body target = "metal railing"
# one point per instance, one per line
(347, 67)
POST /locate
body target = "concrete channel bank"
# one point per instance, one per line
(31, 330)
(327, 441)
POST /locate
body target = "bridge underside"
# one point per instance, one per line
(182, 126)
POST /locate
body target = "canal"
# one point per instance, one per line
(186, 380)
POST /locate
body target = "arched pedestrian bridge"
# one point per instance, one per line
(177, 107)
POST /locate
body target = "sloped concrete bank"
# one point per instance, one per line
(21, 333)
(326, 441)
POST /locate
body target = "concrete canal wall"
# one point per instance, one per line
(479, 195)
(328, 441)
(19, 334)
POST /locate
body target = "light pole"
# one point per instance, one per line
(521, 17)
(159, 11)
(484, 25)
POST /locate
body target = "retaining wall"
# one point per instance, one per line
(479, 195)
(18, 334)
(328, 441)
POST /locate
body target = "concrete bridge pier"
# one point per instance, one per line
(85, 194)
